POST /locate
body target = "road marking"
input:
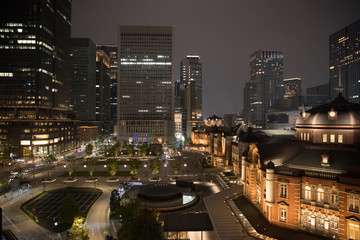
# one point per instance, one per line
(11, 222)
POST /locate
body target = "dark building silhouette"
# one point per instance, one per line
(266, 85)
(344, 52)
(34, 77)
(83, 78)
(111, 52)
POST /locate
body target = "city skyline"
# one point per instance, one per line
(301, 29)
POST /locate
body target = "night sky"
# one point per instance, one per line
(225, 32)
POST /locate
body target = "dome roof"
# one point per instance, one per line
(339, 112)
(214, 117)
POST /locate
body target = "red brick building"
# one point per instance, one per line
(310, 182)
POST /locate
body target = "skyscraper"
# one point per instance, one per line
(145, 84)
(111, 51)
(266, 85)
(102, 86)
(34, 58)
(344, 53)
(34, 73)
(191, 79)
(83, 78)
(292, 92)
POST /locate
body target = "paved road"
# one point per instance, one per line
(98, 217)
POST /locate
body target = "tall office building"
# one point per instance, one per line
(292, 92)
(344, 52)
(111, 51)
(102, 86)
(34, 73)
(191, 79)
(266, 85)
(145, 84)
(83, 78)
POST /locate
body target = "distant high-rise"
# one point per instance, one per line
(292, 92)
(102, 86)
(266, 85)
(111, 51)
(344, 52)
(145, 84)
(83, 78)
(191, 80)
(317, 95)
(34, 77)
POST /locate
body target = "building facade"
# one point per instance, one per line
(111, 52)
(292, 93)
(145, 84)
(344, 53)
(83, 78)
(102, 86)
(191, 81)
(310, 182)
(34, 77)
(266, 85)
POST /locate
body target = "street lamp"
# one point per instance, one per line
(145, 166)
(165, 169)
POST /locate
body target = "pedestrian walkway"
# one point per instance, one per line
(262, 226)
(226, 225)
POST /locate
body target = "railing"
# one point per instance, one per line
(320, 175)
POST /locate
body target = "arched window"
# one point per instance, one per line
(334, 198)
(307, 192)
(320, 195)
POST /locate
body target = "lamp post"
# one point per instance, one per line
(165, 169)
(145, 166)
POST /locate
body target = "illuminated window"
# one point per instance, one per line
(307, 193)
(283, 190)
(324, 138)
(308, 137)
(283, 214)
(334, 198)
(301, 136)
(354, 230)
(332, 138)
(340, 138)
(353, 203)
(320, 195)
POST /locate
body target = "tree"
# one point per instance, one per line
(139, 223)
(155, 166)
(130, 149)
(6, 151)
(71, 162)
(112, 166)
(116, 149)
(91, 162)
(144, 149)
(115, 204)
(177, 165)
(68, 211)
(88, 149)
(158, 149)
(78, 231)
(134, 166)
